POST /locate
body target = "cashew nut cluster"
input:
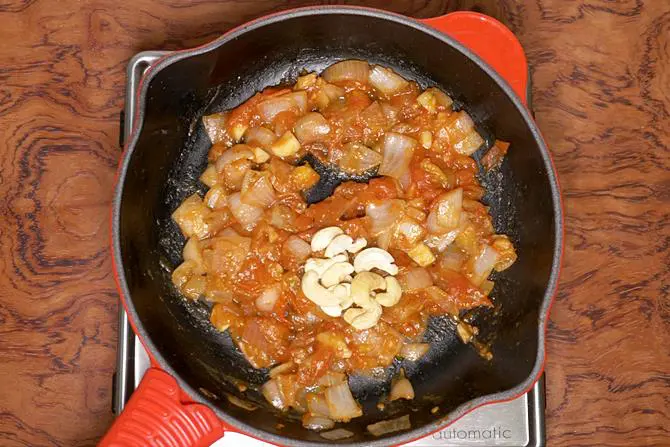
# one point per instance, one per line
(335, 284)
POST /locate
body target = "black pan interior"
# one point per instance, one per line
(171, 153)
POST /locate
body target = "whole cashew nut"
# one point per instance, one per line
(324, 236)
(363, 284)
(320, 266)
(392, 294)
(318, 294)
(338, 245)
(346, 287)
(332, 311)
(345, 302)
(336, 273)
(358, 245)
(364, 317)
(375, 258)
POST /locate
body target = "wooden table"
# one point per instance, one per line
(601, 87)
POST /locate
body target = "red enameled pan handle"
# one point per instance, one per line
(157, 415)
(490, 40)
(158, 412)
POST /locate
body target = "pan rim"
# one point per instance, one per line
(552, 283)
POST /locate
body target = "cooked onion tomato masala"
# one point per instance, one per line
(315, 292)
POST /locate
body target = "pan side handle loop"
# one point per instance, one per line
(490, 40)
(155, 415)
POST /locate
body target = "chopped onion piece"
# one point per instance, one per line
(237, 130)
(505, 249)
(494, 157)
(446, 180)
(246, 215)
(260, 156)
(317, 405)
(416, 279)
(288, 388)
(298, 248)
(316, 423)
(209, 177)
(359, 158)
(390, 426)
(486, 287)
(216, 198)
(305, 81)
(193, 252)
(461, 134)
(191, 216)
(414, 351)
(194, 287)
(341, 404)
(333, 92)
(442, 241)
(469, 144)
(374, 118)
(182, 273)
(406, 180)
(410, 232)
(259, 136)
(233, 174)
(215, 126)
(442, 299)
(459, 127)
(398, 150)
(237, 152)
(426, 139)
(443, 99)
(482, 265)
(257, 189)
(445, 214)
(332, 378)
(349, 70)
(283, 217)
(390, 112)
(337, 434)
(384, 214)
(286, 145)
(300, 100)
(466, 332)
(386, 81)
(303, 177)
(452, 259)
(422, 255)
(280, 369)
(467, 239)
(432, 98)
(271, 393)
(268, 298)
(311, 128)
(401, 389)
(273, 106)
(384, 239)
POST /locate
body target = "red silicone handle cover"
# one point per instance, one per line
(156, 416)
(490, 40)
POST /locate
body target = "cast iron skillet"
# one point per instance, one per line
(192, 362)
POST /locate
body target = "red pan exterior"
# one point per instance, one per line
(159, 411)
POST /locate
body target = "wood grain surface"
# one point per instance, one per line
(601, 88)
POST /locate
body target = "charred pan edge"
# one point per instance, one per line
(420, 432)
